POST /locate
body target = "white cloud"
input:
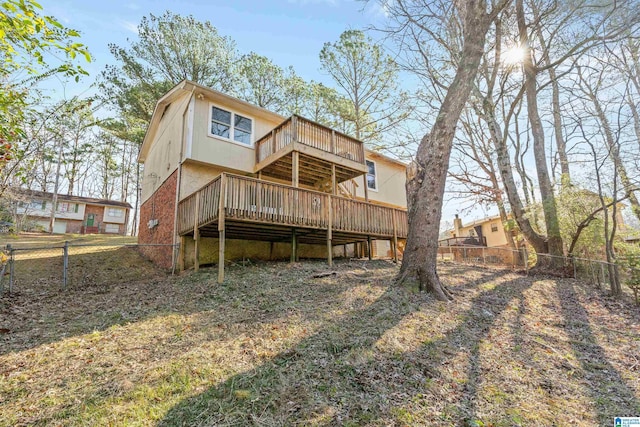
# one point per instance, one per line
(129, 26)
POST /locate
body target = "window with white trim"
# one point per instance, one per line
(229, 125)
(111, 228)
(67, 207)
(115, 212)
(372, 180)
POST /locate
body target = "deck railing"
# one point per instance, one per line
(255, 200)
(304, 131)
(463, 241)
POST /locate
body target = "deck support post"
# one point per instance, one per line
(294, 246)
(329, 233)
(221, 227)
(181, 253)
(369, 248)
(196, 234)
(295, 169)
(344, 251)
(395, 238)
(366, 188)
(334, 188)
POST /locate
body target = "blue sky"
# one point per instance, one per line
(289, 32)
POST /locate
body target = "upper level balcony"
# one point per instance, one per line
(307, 153)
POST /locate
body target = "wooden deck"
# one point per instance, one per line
(318, 148)
(238, 207)
(263, 204)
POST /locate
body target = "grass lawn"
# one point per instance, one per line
(274, 346)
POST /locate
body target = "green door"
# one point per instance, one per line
(90, 220)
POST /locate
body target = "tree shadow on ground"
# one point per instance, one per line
(608, 389)
(346, 375)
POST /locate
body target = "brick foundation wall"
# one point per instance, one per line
(160, 206)
(74, 227)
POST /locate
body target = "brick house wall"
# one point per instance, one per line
(160, 206)
(74, 227)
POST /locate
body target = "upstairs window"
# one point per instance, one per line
(229, 125)
(67, 207)
(494, 227)
(372, 180)
(115, 212)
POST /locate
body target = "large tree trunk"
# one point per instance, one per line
(554, 240)
(427, 175)
(506, 173)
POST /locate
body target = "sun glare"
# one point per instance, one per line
(513, 55)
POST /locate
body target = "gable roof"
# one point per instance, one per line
(75, 199)
(187, 87)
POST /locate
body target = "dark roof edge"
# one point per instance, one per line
(67, 198)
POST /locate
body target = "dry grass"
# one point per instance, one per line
(274, 346)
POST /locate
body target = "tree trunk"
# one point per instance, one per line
(504, 166)
(614, 150)
(554, 240)
(427, 175)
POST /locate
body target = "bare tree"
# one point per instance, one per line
(416, 25)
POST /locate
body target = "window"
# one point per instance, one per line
(494, 227)
(372, 181)
(111, 228)
(37, 204)
(115, 212)
(229, 125)
(67, 207)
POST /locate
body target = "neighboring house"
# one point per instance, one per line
(487, 232)
(73, 214)
(227, 178)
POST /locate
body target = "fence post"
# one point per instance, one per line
(11, 270)
(575, 270)
(65, 263)
(526, 260)
(484, 257)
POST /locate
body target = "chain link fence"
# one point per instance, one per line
(591, 271)
(42, 269)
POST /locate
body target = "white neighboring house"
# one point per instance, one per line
(73, 214)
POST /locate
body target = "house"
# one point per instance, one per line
(227, 179)
(73, 214)
(487, 232)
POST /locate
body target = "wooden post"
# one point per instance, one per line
(295, 169)
(333, 141)
(294, 246)
(370, 248)
(395, 238)
(344, 250)
(221, 227)
(181, 253)
(333, 179)
(273, 142)
(329, 231)
(294, 128)
(196, 234)
(366, 188)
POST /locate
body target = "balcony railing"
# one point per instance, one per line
(253, 200)
(312, 134)
(463, 241)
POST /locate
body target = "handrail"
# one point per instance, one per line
(256, 200)
(312, 134)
